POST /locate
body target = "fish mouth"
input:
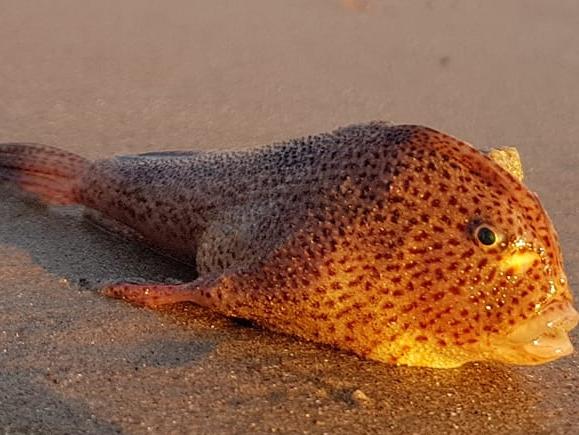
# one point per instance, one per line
(540, 339)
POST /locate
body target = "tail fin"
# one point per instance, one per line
(50, 174)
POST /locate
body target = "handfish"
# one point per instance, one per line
(398, 243)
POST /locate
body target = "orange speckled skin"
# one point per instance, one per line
(363, 239)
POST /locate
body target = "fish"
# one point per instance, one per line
(397, 243)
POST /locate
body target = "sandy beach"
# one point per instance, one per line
(117, 77)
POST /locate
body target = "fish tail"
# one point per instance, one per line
(49, 174)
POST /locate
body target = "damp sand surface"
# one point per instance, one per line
(114, 77)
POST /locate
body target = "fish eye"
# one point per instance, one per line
(485, 235)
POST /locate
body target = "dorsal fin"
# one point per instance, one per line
(509, 159)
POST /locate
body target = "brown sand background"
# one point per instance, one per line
(109, 77)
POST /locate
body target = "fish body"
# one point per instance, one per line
(399, 243)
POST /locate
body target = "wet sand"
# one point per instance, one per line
(114, 77)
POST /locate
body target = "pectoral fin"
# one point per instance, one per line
(202, 291)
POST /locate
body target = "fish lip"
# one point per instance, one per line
(542, 338)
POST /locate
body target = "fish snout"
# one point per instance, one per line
(540, 339)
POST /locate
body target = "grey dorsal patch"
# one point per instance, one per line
(354, 129)
(161, 154)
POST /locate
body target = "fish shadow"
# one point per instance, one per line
(62, 242)
(169, 354)
(35, 408)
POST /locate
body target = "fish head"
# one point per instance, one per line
(479, 262)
